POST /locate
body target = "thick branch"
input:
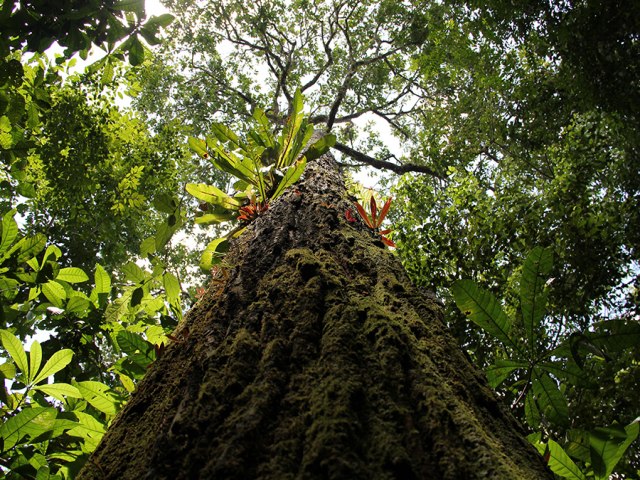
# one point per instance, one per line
(383, 164)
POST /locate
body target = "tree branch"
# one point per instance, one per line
(383, 164)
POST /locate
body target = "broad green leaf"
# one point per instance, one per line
(533, 298)
(9, 288)
(35, 359)
(102, 279)
(209, 218)
(72, 275)
(536, 440)
(568, 372)
(213, 253)
(29, 422)
(52, 253)
(133, 273)
(577, 445)
(607, 445)
(59, 391)
(127, 382)
(483, 309)
(147, 247)
(561, 464)
(9, 231)
(7, 370)
(213, 195)
(552, 402)
(163, 20)
(54, 292)
(98, 396)
(89, 429)
(135, 6)
(531, 412)
(320, 147)
(499, 371)
(31, 246)
(131, 343)
(57, 362)
(171, 287)
(13, 346)
(291, 176)
(198, 146)
(79, 306)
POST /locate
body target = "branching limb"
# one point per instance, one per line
(383, 164)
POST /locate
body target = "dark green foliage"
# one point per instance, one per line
(539, 369)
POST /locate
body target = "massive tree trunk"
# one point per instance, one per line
(314, 358)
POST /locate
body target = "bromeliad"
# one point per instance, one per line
(374, 221)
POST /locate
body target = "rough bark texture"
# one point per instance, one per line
(315, 359)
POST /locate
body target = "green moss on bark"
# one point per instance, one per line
(318, 359)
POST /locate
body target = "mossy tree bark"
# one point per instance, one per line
(315, 358)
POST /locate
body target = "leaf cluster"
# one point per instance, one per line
(540, 372)
(264, 167)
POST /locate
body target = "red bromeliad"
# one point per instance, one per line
(251, 211)
(374, 221)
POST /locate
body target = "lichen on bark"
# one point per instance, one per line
(317, 359)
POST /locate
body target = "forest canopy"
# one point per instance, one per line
(507, 134)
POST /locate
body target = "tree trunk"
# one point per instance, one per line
(315, 358)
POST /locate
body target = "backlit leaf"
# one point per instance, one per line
(533, 298)
(561, 464)
(98, 396)
(57, 362)
(35, 359)
(29, 422)
(14, 347)
(483, 309)
(72, 275)
(59, 391)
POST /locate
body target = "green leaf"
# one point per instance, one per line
(35, 360)
(135, 6)
(14, 347)
(320, 147)
(79, 306)
(30, 422)
(165, 203)
(57, 362)
(291, 176)
(213, 253)
(552, 402)
(31, 247)
(531, 412)
(607, 445)
(483, 309)
(213, 195)
(131, 343)
(59, 391)
(171, 287)
(133, 273)
(136, 51)
(216, 217)
(163, 20)
(98, 396)
(102, 279)
(90, 429)
(7, 370)
(54, 292)
(72, 275)
(533, 298)
(148, 247)
(561, 464)
(498, 372)
(199, 146)
(9, 231)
